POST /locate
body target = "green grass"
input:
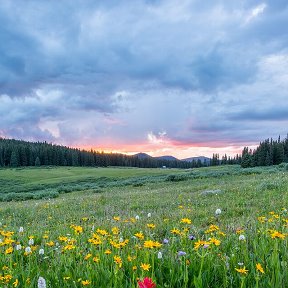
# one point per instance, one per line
(245, 194)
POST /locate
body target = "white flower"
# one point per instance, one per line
(18, 247)
(149, 215)
(21, 229)
(159, 255)
(28, 250)
(218, 211)
(41, 282)
(241, 237)
(31, 241)
(137, 217)
(121, 240)
(41, 251)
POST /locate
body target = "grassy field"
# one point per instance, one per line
(128, 225)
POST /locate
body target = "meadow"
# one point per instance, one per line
(120, 227)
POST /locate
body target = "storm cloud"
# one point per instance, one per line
(144, 75)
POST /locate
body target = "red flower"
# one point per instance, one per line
(146, 283)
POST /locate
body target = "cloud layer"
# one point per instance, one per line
(144, 75)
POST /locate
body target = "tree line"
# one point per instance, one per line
(18, 153)
(269, 152)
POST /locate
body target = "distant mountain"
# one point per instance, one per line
(203, 159)
(142, 155)
(167, 157)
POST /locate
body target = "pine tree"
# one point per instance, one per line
(37, 161)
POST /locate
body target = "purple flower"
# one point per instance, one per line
(181, 253)
(165, 241)
(192, 237)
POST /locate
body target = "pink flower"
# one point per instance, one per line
(146, 283)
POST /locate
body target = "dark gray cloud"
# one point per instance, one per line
(95, 71)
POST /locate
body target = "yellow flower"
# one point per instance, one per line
(118, 260)
(63, 238)
(145, 267)
(201, 243)
(242, 270)
(259, 268)
(134, 268)
(212, 228)
(50, 244)
(152, 244)
(175, 231)
(107, 251)
(186, 221)
(96, 259)
(151, 226)
(102, 232)
(115, 230)
(15, 283)
(277, 234)
(66, 277)
(87, 256)
(85, 282)
(9, 250)
(77, 229)
(139, 235)
(116, 218)
(215, 241)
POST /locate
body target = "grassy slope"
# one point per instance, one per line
(243, 196)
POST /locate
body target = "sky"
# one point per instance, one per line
(183, 78)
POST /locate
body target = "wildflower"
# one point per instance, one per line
(186, 221)
(151, 226)
(66, 277)
(259, 268)
(149, 215)
(277, 234)
(41, 251)
(215, 241)
(18, 247)
(116, 218)
(96, 259)
(139, 235)
(145, 267)
(41, 282)
(242, 270)
(118, 260)
(181, 253)
(87, 256)
(212, 228)
(21, 229)
(134, 268)
(31, 242)
(115, 230)
(218, 212)
(242, 237)
(165, 241)
(152, 244)
(175, 231)
(28, 250)
(15, 283)
(191, 237)
(159, 255)
(85, 282)
(50, 244)
(201, 243)
(146, 283)
(9, 250)
(107, 251)
(137, 217)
